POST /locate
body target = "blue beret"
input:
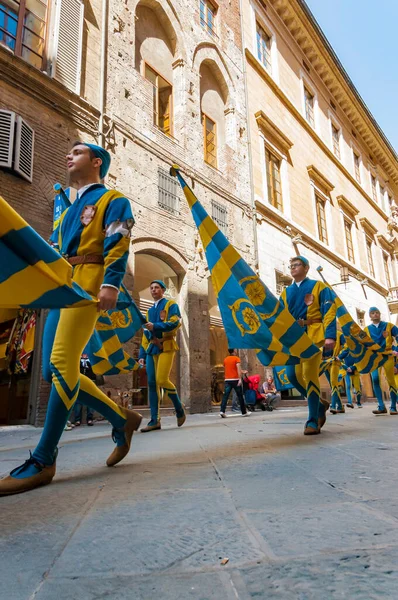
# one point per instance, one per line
(304, 260)
(373, 308)
(103, 155)
(160, 282)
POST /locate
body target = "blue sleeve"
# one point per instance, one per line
(116, 246)
(394, 331)
(173, 320)
(328, 311)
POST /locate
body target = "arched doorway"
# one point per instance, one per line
(147, 268)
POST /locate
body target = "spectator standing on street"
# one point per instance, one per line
(233, 381)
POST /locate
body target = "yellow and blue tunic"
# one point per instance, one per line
(383, 334)
(165, 316)
(97, 223)
(313, 302)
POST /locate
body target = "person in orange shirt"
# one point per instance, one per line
(233, 381)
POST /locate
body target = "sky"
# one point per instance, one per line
(364, 35)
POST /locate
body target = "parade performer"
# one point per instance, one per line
(93, 235)
(352, 381)
(311, 302)
(157, 352)
(383, 334)
(331, 371)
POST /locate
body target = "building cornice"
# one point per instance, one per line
(369, 228)
(347, 206)
(272, 132)
(299, 117)
(46, 90)
(306, 32)
(289, 228)
(319, 179)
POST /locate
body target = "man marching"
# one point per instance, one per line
(383, 334)
(93, 235)
(157, 352)
(311, 303)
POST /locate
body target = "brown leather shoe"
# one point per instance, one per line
(380, 412)
(132, 424)
(11, 485)
(336, 411)
(322, 420)
(393, 412)
(181, 420)
(151, 427)
(311, 431)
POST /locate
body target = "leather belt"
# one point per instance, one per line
(86, 259)
(304, 322)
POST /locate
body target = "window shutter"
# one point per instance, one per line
(68, 43)
(24, 144)
(7, 126)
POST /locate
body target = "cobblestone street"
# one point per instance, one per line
(297, 518)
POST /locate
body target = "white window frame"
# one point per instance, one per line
(316, 191)
(382, 197)
(373, 174)
(305, 82)
(258, 16)
(7, 164)
(284, 176)
(345, 216)
(369, 238)
(55, 26)
(335, 122)
(389, 266)
(356, 150)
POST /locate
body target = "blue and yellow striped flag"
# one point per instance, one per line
(363, 352)
(32, 274)
(252, 316)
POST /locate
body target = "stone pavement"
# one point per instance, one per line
(298, 518)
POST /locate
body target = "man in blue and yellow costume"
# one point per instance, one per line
(311, 303)
(332, 374)
(157, 352)
(383, 334)
(93, 235)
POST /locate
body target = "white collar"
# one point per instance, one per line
(83, 189)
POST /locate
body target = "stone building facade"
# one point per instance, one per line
(325, 177)
(156, 83)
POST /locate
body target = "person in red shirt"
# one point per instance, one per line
(233, 381)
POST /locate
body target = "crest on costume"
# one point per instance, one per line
(88, 214)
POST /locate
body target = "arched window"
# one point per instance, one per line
(213, 97)
(155, 44)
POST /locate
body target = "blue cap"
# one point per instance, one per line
(103, 155)
(373, 308)
(160, 282)
(304, 260)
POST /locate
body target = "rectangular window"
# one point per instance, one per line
(361, 317)
(209, 140)
(208, 16)
(162, 93)
(370, 256)
(219, 216)
(387, 270)
(23, 28)
(374, 190)
(321, 219)
(357, 166)
(336, 140)
(264, 48)
(309, 102)
(273, 169)
(382, 190)
(168, 188)
(348, 239)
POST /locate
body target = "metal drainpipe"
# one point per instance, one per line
(249, 145)
(104, 51)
